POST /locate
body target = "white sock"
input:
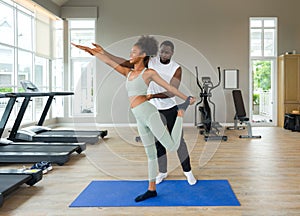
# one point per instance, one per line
(190, 177)
(160, 177)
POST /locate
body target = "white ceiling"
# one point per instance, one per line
(59, 2)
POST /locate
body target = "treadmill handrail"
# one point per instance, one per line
(37, 94)
(7, 95)
(48, 105)
(27, 97)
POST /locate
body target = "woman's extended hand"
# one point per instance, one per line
(93, 51)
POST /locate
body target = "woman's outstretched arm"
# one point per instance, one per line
(99, 53)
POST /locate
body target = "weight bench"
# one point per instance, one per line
(240, 114)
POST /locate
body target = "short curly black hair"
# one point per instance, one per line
(168, 43)
(148, 45)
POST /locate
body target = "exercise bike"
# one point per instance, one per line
(208, 126)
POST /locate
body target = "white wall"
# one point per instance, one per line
(208, 33)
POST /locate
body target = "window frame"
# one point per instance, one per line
(263, 57)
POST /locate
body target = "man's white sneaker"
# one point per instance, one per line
(160, 177)
(190, 177)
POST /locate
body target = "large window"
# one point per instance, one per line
(82, 67)
(22, 57)
(263, 55)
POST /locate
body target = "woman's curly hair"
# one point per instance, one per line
(149, 46)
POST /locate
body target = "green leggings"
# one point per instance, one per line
(150, 126)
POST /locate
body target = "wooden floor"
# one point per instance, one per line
(264, 174)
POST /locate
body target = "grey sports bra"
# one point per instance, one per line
(137, 86)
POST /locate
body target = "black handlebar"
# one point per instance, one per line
(197, 79)
(212, 87)
(219, 82)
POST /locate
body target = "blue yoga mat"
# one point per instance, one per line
(170, 193)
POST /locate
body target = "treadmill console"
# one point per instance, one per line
(28, 86)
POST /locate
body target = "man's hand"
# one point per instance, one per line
(149, 96)
(192, 100)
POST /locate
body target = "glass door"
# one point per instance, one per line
(263, 106)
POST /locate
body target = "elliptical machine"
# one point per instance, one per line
(208, 126)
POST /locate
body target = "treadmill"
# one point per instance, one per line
(39, 133)
(24, 152)
(12, 179)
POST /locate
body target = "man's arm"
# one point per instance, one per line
(121, 61)
(175, 81)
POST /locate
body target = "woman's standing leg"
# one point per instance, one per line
(148, 141)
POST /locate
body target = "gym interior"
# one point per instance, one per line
(239, 56)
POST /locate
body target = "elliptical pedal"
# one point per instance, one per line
(215, 137)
